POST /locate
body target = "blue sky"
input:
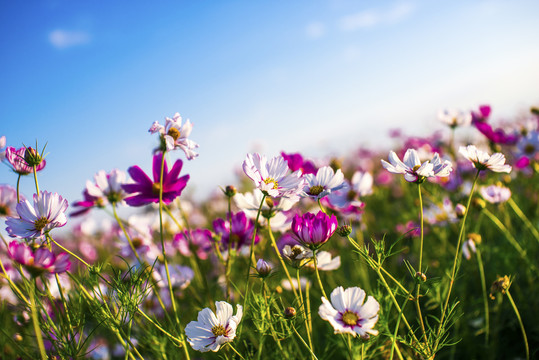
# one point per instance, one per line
(321, 77)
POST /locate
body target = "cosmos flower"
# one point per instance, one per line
(303, 282)
(8, 200)
(180, 276)
(235, 233)
(348, 313)
(145, 191)
(272, 177)
(296, 162)
(296, 255)
(495, 194)
(271, 208)
(324, 261)
(47, 213)
(199, 240)
(38, 261)
(482, 160)
(528, 146)
(412, 168)
(15, 158)
(263, 268)
(348, 197)
(323, 183)
(468, 247)
(313, 231)
(454, 118)
(210, 331)
(175, 135)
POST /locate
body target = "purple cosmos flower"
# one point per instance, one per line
(146, 191)
(15, 157)
(237, 234)
(200, 241)
(349, 313)
(47, 213)
(8, 200)
(38, 261)
(296, 162)
(482, 160)
(175, 135)
(272, 177)
(498, 136)
(312, 230)
(324, 183)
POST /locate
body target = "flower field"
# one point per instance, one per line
(425, 249)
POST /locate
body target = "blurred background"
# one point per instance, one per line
(318, 77)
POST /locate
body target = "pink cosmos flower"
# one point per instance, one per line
(312, 230)
(236, 233)
(296, 162)
(47, 213)
(38, 261)
(15, 157)
(497, 136)
(145, 191)
(324, 183)
(8, 200)
(175, 135)
(482, 160)
(107, 188)
(272, 177)
(200, 241)
(495, 194)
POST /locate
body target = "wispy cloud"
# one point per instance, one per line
(371, 18)
(62, 39)
(315, 30)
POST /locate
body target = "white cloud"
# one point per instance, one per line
(315, 30)
(372, 18)
(62, 39)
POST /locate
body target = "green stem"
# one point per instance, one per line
(237, 353)
(317, 275)
(307, 315)
(524, 218)
(283, 265)
(18, 184)
(126, 234)
(35, 180)
(35, 322)
(455, 261)
(520, 323)
(12, 284)
(417, 305)
(394, 340)
(484, 290)
(303, 342)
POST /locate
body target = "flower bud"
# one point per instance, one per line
(479, 203)
(269, 202)
(421, 276)
(289, 312)
(32, 157)
(344, 230)
(230, 191)
(460, 210)
(476, 238)
(263, 268)
(500, 285)
(335, 164)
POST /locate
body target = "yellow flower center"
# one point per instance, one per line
(174, 133)
(350, 318)
(415, 168)
(40, 223)
(156, 187)
(137, 242)
(218, 330)
(316, 190)
(4, 211)
(272, 180)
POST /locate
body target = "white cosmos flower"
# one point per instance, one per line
(108, 187)
(468, 247)
(272, 177)
(412, 168)
(323, 183)
(482, 160)
(454, 118)
(176, 135)
(495, 194)
(47, 213)
(324, 261)
(348, 313)
(250, 202)
(210, 331)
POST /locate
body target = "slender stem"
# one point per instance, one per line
(12, 284)
(307, 315)
(524, 218)
(318, 275)
(35, 180)
(484, 290)
(35, 322)
(520, 323)
(455, 261)
(18, 184)
(126, 234)
(394, 340)
(237, 353)
(416, 300)
(163, 248)
(303, 342)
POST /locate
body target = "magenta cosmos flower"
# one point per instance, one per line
(15, 157)
(200, 241)
(175, 135)
(272, 177)
(236, 233)
(145, 191)
(312, 230)
(38, 261)
(47, 213)
(296, 162)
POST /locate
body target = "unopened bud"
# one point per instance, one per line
(290, 312)
(17, 337)
(269, 202)
(500, 285)
(32, 157)
(479, 203)
(344, 230)
(230, 191)
(421, 276)
(460, 210)
(335, 164)
(476, 238)
(263, 268)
